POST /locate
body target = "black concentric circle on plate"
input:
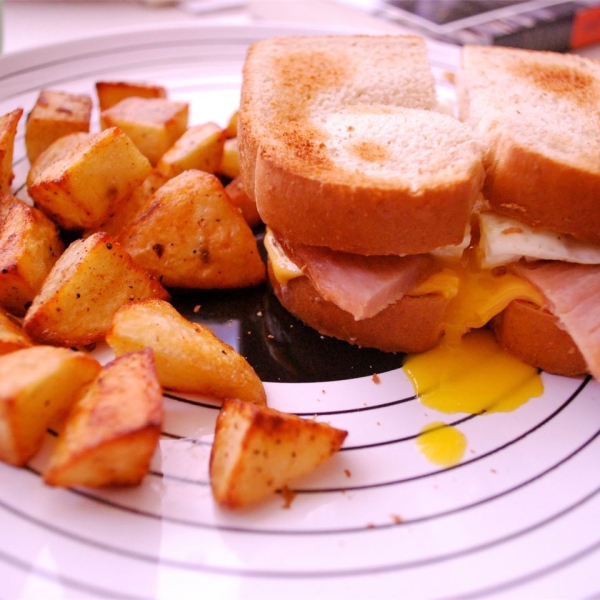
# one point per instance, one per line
(517, 517)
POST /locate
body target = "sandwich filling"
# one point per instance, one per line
(525, 268)
(363, 286)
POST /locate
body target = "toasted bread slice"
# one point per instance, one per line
(537, 114)
(535, 336)
(341, 146)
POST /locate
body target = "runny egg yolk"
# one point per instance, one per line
(468, 372)
(442, 444)
(472, 375)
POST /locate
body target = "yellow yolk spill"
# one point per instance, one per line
(472, 375)
(468, 372)
(442, 444)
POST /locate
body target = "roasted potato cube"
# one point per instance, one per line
(258, 450)
(189, 357)
(191, 236)
(232, 125)
(112, 92)
(5, 201)
(8, 131)
(113, 430)
(240, 199)
(200, 147)
(30, 244)
(230, 164)
(154, 124)
(12, 336)
(130, 207)
(54, 115)
(54, 152)
(80, 190)
(37, 386)
(92, 279)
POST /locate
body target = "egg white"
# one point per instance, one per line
(505, 240)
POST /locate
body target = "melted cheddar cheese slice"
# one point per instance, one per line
(482, 294)
(284, 269)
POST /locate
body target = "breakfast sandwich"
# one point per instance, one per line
(536, 114)
(392, 224)
(361, 180)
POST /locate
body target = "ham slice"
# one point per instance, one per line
(573, 294)
(361, 285)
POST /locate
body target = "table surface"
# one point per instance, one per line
(76, 19)
(60, 21)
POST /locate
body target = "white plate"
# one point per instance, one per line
(519, 517)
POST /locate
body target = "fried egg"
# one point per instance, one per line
(504, 240)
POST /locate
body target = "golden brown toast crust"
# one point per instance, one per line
(533, 335)
(363, 220)
(544, 193)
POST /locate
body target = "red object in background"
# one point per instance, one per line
(586, 27)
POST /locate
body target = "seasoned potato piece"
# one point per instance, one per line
(191, 236)
(189, 357)
(5, 201)
(258, 450)
(112, 92)
(230, 165)
(12, 336)
(54, 152)
(8, 131)
(54, 115)
(30, 244)
(247, 206)
(113, 430)
(37, 386)
(232, 126)
(200, 147)
(129, 208)
(154, 124)
(80, 190)
(92, 279)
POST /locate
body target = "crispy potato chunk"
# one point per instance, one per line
(92, 279)
(189, 357)
(8, 131)
(80, 190)
(240, 199)
(230, 164)
(113, 430)
(37, 386)
(154, 124)
(232, 125)
(200, 147)
(54, 115)
(112, 92)
(5, 201)
(12, 336)
(129, 208)
(30, 244)
(54, 152)
(258, 450)
(191, 236)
